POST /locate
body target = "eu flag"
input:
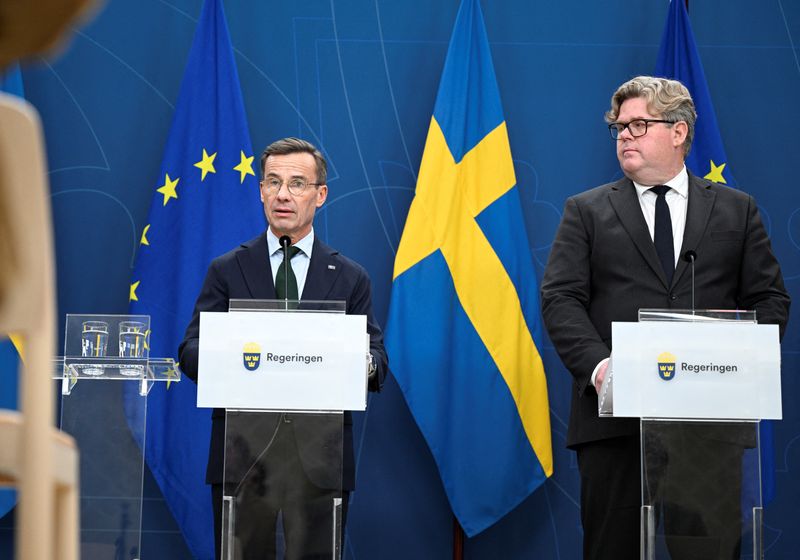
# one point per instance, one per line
(464, 326)
(678, 59)
(206, 200)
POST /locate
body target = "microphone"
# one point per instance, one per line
(690, 256)
(285, 242)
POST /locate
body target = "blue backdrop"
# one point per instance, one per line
(359, 79)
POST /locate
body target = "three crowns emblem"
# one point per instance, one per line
(666, 366)
(251, 356)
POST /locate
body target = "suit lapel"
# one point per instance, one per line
(257, 272)
(698, 211)
(323, 270)
(626, 205)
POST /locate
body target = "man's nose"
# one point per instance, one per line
(625, 134)
(283, 192)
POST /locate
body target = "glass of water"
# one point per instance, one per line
(94, 342)
(132, 338)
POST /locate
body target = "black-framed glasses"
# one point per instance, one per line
(637, 127)
(296, 186)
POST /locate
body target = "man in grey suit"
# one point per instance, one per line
(618, 249)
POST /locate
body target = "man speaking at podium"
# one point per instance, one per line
(619, 249)
(293, 186)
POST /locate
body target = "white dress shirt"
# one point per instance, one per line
(677, 199)
(299, 262)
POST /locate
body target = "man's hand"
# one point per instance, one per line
(372, 367)
(601, 374)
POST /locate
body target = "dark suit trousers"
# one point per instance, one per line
(279, 484)
(693, 474)
(611, 498)
(693, 479)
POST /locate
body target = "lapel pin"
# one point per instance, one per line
(331, 267)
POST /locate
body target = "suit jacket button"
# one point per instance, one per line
(673, 297)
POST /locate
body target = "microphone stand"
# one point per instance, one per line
(690, 256)
(692, 285)
(285, 241)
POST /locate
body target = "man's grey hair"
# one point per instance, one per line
(293, 145)
(668, 99)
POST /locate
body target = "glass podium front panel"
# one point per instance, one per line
(97, 414)
(701, 490)
(698, 315)
(283, 471)
(284, 305)
(701, 479)
(282, 493)
(103, 379)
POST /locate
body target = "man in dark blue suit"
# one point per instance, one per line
(300, 474)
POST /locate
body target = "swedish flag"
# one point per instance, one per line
(206, 200)
(464, 326)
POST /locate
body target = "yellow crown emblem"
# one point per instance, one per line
(666, 357)
(666, 365)
(251, 356)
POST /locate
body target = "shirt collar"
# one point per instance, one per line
(305, 245)
(679, 183)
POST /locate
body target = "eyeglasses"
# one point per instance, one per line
(637, 127)
(296, 186)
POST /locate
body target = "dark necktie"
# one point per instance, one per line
(662, 237)
(284, 283)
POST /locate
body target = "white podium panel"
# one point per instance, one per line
(282, 361)
(696, 370)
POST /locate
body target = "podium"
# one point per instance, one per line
(285, 373)
(700, 382)
(104, 379)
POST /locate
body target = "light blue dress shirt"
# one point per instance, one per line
(299, 262)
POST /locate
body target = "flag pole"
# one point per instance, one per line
(458, 540)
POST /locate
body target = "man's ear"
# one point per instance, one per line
(680, 131)
(322, 195)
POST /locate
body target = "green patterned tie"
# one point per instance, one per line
(281, 280)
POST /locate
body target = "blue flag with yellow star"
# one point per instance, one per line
(206, 201)
(464, 327)
(678, 59)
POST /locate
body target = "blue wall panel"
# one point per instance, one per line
(359, 79)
